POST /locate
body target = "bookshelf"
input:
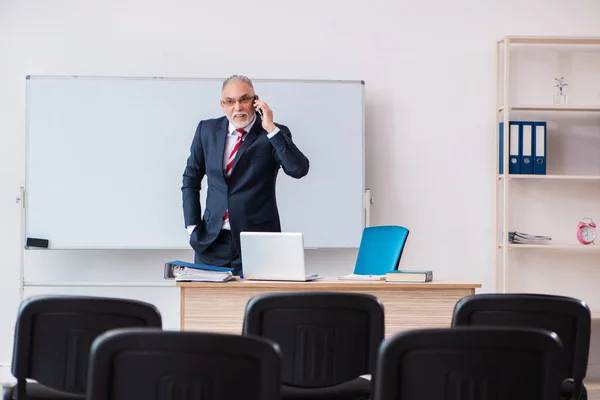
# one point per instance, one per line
(510, 107)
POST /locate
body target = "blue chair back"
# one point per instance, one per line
(380, 249)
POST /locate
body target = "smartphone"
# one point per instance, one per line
(258, 110)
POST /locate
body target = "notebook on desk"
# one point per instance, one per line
(274, 256)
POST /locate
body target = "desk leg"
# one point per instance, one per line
(182, 308)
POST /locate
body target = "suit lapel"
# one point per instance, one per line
(221, 137)
(250, 137)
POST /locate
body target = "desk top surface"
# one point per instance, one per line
(332, 282)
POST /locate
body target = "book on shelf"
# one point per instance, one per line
(182, 271)
(406, 275)
(526, 238)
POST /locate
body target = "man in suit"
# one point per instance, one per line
(241, 154)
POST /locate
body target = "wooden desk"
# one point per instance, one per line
(219, 307)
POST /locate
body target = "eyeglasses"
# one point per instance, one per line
(243, 100)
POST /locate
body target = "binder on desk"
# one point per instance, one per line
(526, 135)
(185, 271)
(539, 148)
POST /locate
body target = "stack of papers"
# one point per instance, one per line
(357, 277)
(198, 275)
(183, 271)
(525, 238)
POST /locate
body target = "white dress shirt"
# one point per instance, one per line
(230, 141)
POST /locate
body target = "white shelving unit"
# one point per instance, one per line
(504, 109)
(565, 108)
(568, 247)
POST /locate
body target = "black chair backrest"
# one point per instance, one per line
(325, 338)
(471, 363)
(568, 317)
(53, 336)
(138, 363)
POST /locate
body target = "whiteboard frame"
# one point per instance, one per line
(366, 193)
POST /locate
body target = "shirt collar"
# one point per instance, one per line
(247, 128)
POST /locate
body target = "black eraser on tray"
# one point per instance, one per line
(35, 242)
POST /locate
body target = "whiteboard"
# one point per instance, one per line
(105, 158)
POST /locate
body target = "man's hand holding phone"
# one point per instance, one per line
(266, 113)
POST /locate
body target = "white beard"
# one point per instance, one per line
(240, 124)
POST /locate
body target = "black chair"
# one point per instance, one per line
(328, 340)
(146, 363)
(53, 336)
(568, 317)
(470, 364)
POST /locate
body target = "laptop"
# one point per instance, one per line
(274, 256)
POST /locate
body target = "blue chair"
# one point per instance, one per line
(380, 249)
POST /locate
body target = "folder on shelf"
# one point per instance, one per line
(539, 148)
(526, 134)
(514, 148)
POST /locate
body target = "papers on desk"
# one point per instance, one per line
(357, 277)
(198, 275)
(183, 271)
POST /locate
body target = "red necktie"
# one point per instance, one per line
(240, 134)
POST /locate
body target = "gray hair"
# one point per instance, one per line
(237, 78)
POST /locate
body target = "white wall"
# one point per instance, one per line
(429, 69)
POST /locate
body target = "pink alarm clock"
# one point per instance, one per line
(586, 231)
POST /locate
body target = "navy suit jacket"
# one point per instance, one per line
(250, 193)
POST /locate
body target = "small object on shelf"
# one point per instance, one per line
(586, 231)
(560, 99)
(526, 238)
